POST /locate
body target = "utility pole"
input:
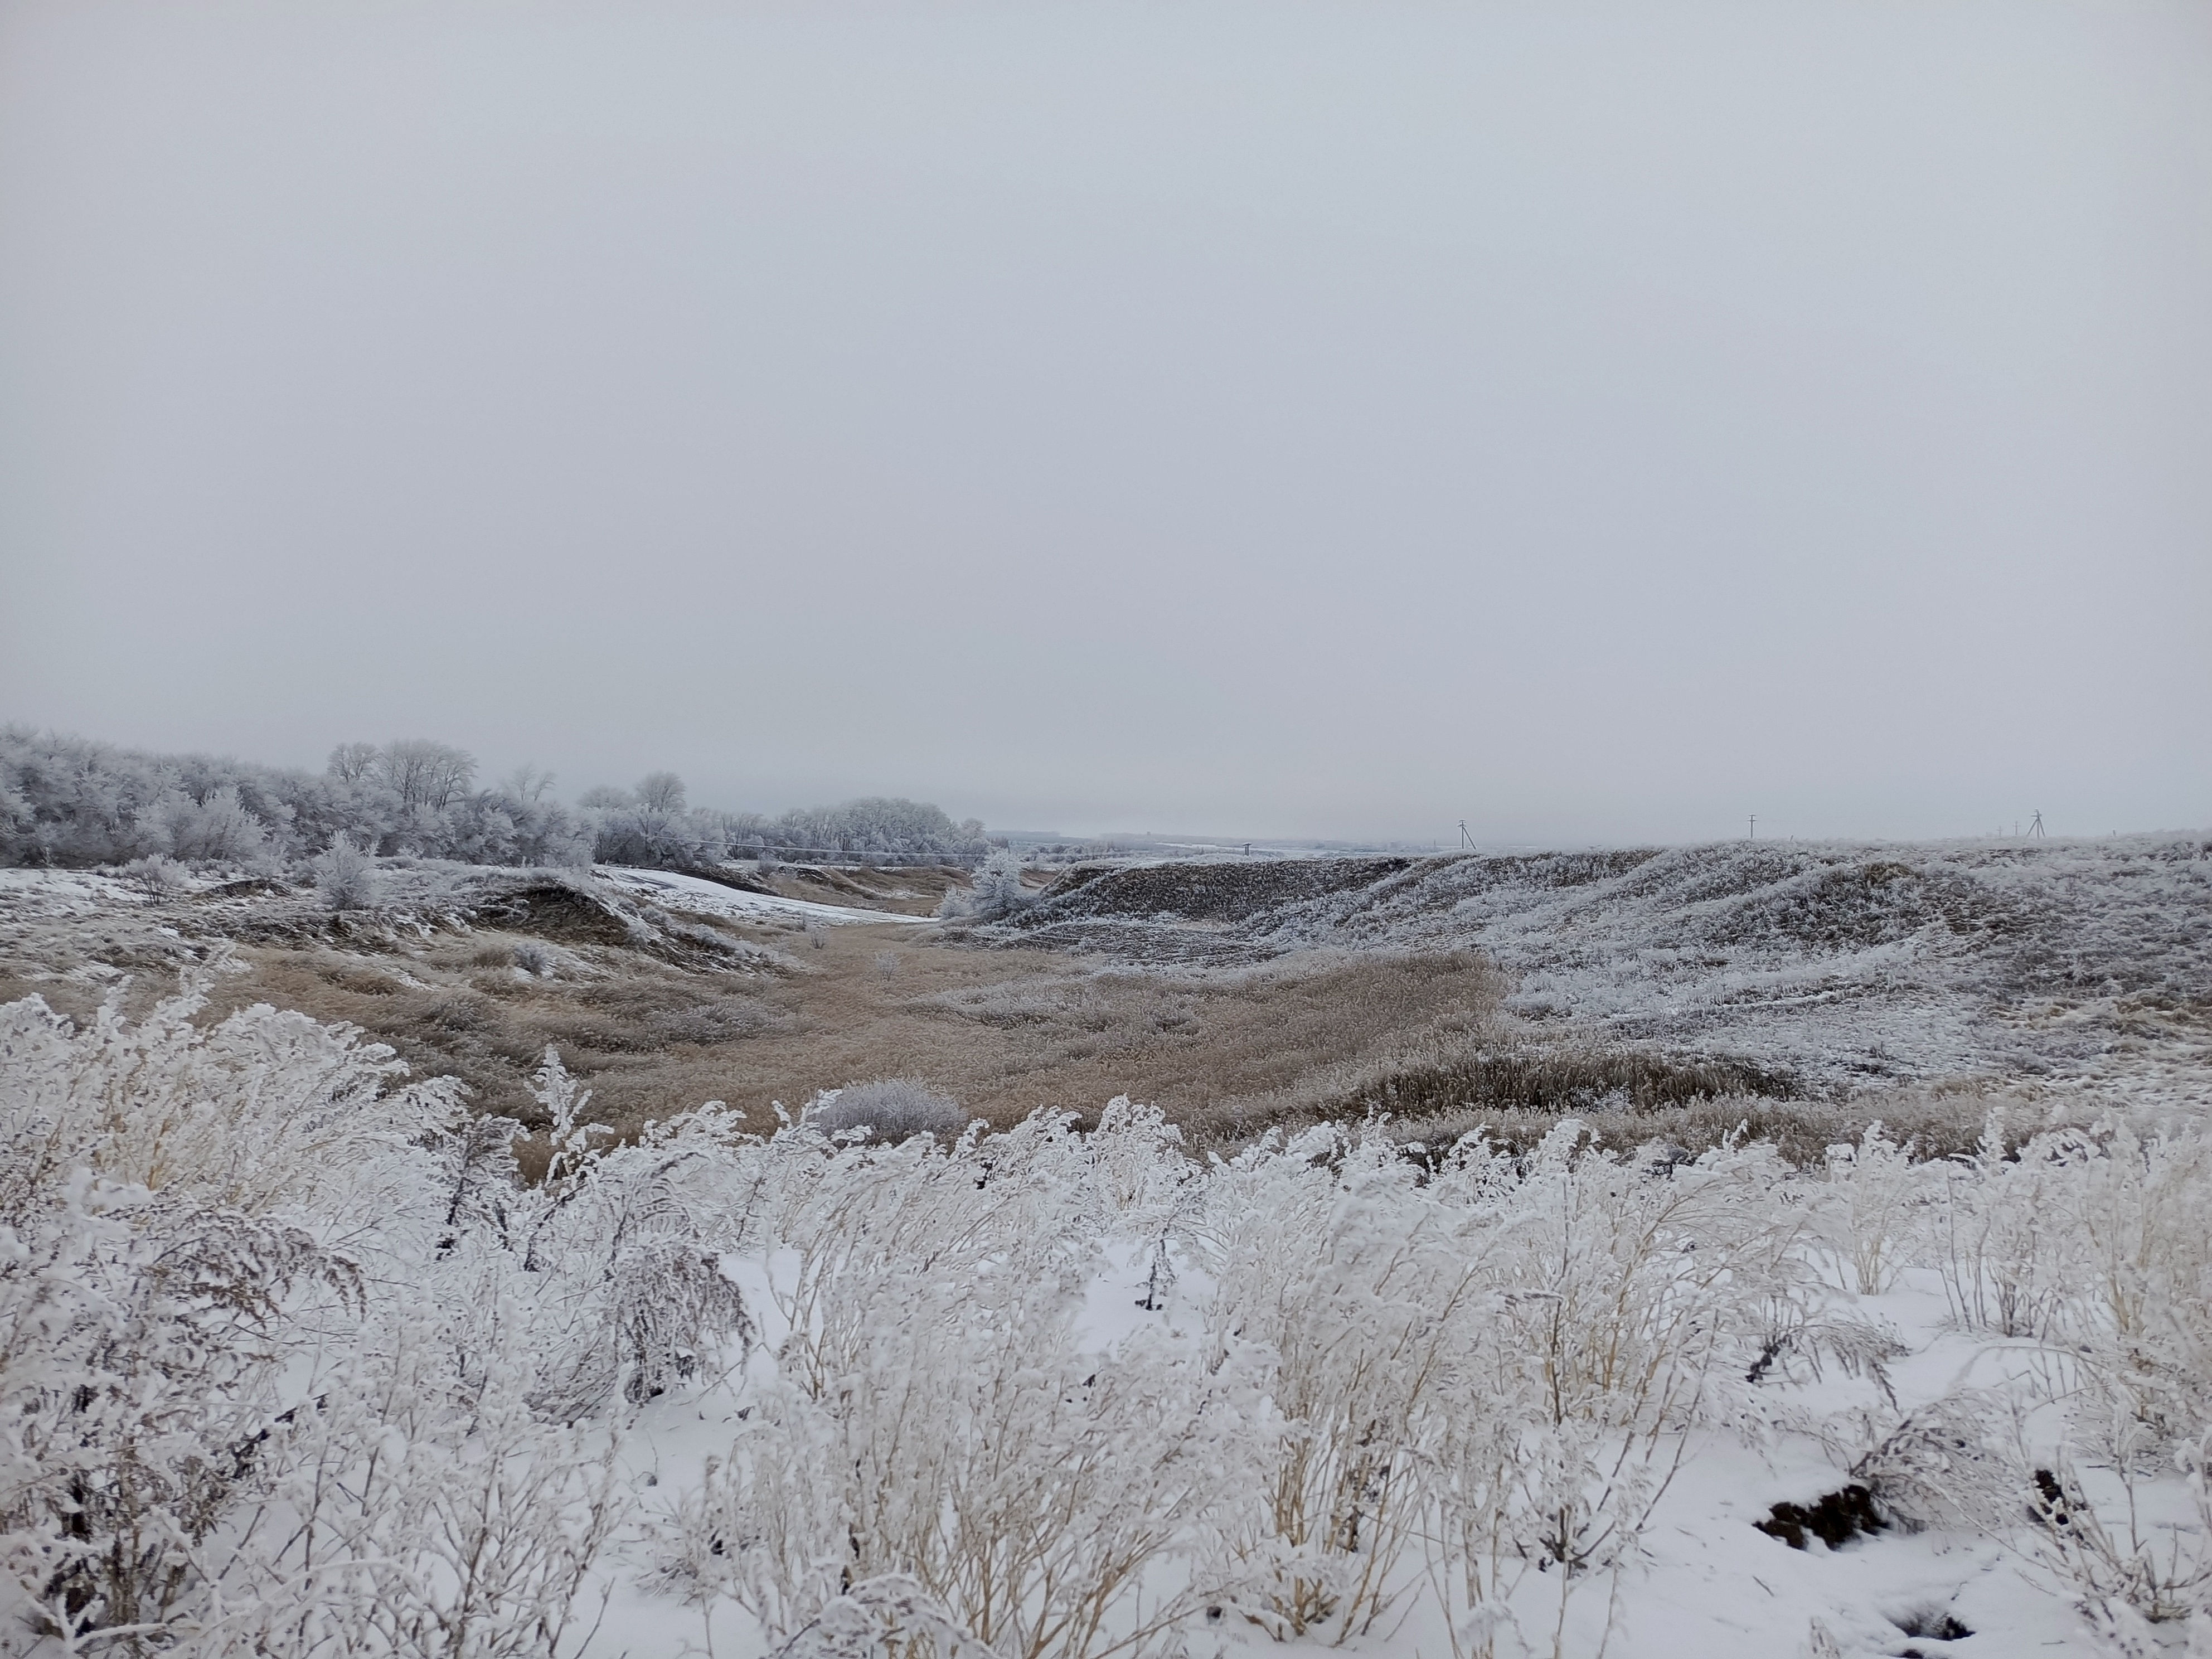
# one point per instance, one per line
(2036, 828)
(1754, 826)
(1465, 841)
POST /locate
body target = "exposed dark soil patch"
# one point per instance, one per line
(555, 910)
(1834, 1518)
(1225, 891)
(1935, 1623)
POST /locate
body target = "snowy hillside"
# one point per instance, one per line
(1846, 965)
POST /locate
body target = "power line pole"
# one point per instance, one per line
(2036, 828)
(1754, 826)
(1465, 841)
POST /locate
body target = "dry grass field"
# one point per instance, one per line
(789, 1011)
(1001, 1031)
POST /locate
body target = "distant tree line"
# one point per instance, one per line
(70, 801)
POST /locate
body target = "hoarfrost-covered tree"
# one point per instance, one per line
(353, 762)
(528, 784)
(661, 792)
(424, 773)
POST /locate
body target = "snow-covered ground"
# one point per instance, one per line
(1704, 1582)
(675, 891)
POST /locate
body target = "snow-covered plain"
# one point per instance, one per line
(291, 1363)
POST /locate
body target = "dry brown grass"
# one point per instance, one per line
(1001, 1031)
(642, 1037)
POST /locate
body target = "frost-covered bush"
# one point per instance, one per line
(345, 876)
(170, 1200)
(2005, 1248)
(2095, 1241)
(935, 1415)
(997, 891)
(891, 1108)
(291, 1363)
(1454, 1378)
(1492, 1362)
(154, 876)
(1878, 1189)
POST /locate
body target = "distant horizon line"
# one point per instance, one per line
(1164, 840)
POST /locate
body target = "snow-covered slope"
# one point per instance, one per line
(1847, 964)
(675, 891)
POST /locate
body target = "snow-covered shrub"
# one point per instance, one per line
(891, 1108)
(996, 892)
(886, 1616)
(345, 876)
(171, 1200)
(266, 1114)
(1334, 1256)
(2008, 1252)
(1634, 1298)
(2137, 1215)
(426, 1512)
(1941, 1465)
(936, 1418)
(1495, 1362)
(621, 1247)
(2124, 1574)
(154, 876)
(136, 1362)
(1879, 1193)
(290, 1363)
(2096, 1241)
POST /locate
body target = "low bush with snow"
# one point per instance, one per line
(890, 1109)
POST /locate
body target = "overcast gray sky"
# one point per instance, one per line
(1598, 421)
